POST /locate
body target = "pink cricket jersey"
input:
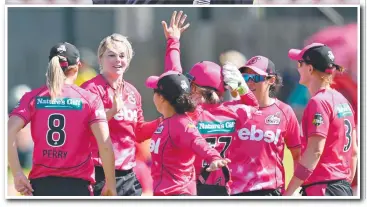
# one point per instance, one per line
(126, 127)
(328, 114)
(257, 150)
(60, 131)
(174, 145)
(217, 124)
(225, 116)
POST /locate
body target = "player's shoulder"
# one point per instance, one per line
(84, 92)
(238, 108)
(327, 95)
(181, 121)
(86, 96)
(339, 96)
(285, 108)
(92, 83)
(324, 97)
(34, 93)
(323, 100)
(131, 88)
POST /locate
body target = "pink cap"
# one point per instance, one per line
(207, 74)
(152, 81)
(261, 65)
(296, 54)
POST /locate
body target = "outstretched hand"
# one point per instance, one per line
(216, 164)
(176, 26)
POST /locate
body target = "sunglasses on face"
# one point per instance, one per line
(254, 77)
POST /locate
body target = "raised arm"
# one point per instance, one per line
(234, 81)
(173, 35)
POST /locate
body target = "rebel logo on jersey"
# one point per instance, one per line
(126, 113)
(317, 119)
(255, 134)
(154, 146)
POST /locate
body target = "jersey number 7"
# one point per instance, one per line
(214, 141)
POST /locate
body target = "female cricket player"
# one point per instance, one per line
(258, 149)
(177, 140)
(329, 155)
(123, 106)
(215, 120)
(61, 115)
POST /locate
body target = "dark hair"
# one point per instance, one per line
(181, 104)
(210, 95)
(274, 88)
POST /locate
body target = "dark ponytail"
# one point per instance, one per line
(209, 95)
(182, 104)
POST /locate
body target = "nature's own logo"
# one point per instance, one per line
(343, 110)
(216, 127)
(59, 103)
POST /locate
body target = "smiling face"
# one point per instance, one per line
(115, 54)
(259, 88)
(115, 62)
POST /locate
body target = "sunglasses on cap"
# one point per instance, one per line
(254, 77)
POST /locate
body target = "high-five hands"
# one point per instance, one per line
(176, 26)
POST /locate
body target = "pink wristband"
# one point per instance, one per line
(302, 172)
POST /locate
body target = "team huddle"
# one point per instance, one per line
(84, 137)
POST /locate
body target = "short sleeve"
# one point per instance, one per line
(139, 108)
(243, 112)
(97, 113)
(23, 108)
(292, 137)
(317, 119)
(91, 87)
(184, 132)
